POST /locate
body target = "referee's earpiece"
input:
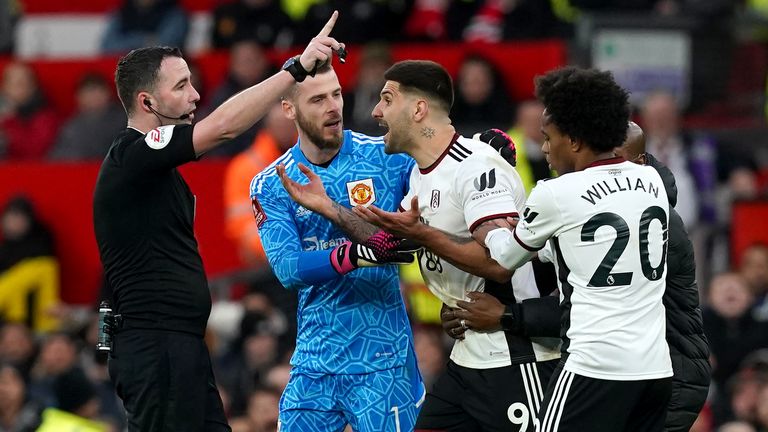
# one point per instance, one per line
(148, 103)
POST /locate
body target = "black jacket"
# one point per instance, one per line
(685, 331)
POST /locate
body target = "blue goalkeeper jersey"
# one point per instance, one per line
(355, 323)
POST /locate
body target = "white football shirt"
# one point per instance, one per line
(467, 185)
(608, 231)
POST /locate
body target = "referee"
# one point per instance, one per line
(143, 216)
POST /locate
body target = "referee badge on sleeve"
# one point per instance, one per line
(159, 137)
(258, 212)
(361, 192)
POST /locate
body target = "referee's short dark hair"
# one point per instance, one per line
(137, 71)
(423, 76)
(587, 105)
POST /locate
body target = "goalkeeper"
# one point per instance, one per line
(354, 361)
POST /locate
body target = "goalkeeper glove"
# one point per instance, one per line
(380, 249)
(501, 142)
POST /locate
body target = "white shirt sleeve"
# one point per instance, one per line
(546, 255)
(487, 187)
(540, 220)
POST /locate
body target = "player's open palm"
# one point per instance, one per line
(405, 224)
(311, 195)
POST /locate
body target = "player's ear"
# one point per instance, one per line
(144, 101)
(288, 109)
(575, 144)
(420, 110)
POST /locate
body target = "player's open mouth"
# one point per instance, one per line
(333, 124)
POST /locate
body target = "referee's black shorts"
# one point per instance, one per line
(575, 403)
(473, 400)
(166, 382)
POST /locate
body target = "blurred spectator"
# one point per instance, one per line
(95, 366)
(364, 21)
(248, 65)
(262, 412)
(732, 331)
(690, 159)
(481, 101)
(242, 370)
(89, 133)
(358, 105)
(761, 408)
(141, 23)
(276, 137)
(261, 21)
(58, 354)
(18, 413)
(28, 126)
(9, 13)
(736, 426)
(739, 400)
(259, 302)
(17, 347)
(427, 20)
(430, 353)
(29, 270)
(526, 133)
(277, 377)
(741, 184)
(77, 405)
(498, 20)
(702, 8)
(754, 269)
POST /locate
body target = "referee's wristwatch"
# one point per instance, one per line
(508, 319)
(294, 67)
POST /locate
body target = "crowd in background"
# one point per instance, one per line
(48, 363)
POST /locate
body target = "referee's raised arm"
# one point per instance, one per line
(244, 109)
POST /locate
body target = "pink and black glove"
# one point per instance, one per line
(501, 142)
(380, 249)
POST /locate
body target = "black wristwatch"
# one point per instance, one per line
(294, 67)
(508, 319)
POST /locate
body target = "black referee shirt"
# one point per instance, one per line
(143, 213)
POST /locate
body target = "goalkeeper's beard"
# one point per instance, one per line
(316, 134)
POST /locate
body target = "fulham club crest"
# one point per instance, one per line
(361, 192)
(435, 201)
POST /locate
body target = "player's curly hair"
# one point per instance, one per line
(587, 105)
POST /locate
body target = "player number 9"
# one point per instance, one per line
(521, 419)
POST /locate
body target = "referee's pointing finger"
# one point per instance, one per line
(329, 25)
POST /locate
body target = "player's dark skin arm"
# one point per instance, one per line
(463, 252)
(312, 196)
(536, 317)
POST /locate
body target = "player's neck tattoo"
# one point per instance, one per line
(427, 132)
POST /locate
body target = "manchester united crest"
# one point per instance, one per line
(361, 192)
